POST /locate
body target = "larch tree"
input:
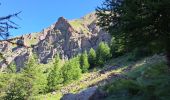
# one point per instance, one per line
(55, 76)
(92, 58)
(84, 64)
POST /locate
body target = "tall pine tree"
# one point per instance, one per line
(84, 64)
(92, 58)
(55, 75)
(103, 53)
(71, 70)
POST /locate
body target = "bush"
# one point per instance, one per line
(4, 82)
(11, 68)
(19, 89)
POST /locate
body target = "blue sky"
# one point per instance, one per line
(39, 14)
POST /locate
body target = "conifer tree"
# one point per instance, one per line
(103, 53)
(92, 58)
(84, 64)
(19, 88)
(140, 23)
(55, 75)
(29, 82)
(34, 72)
(71, 70)
(117, 47)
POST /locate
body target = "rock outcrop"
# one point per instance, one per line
(69, 41)
(92, 93)
(67, 38)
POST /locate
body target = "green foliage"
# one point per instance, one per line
(33, 71)
(27, 83)
(140, 53)
(48, 96)
(147, 82)
(139, 23)
(117, 47)
(55, 75)
(11, 68)
(19, 89)
(92, 58)
(103, 53)
(71, 70)
(4, 82)
(84, 64)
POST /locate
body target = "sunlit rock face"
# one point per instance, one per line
(69, 38)
(66, 38)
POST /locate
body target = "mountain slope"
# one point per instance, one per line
(67, 38)
(126, 81)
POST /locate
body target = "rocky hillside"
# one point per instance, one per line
(67, 38)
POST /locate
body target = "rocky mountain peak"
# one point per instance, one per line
(66, 38)
(62, 24)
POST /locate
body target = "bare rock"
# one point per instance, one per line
(92, 93)
(62, 38)
(84, 95)
(69, 96)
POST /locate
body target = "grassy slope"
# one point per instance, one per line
(139, 69)
(79, 24)
(149, 79)
(34, 39)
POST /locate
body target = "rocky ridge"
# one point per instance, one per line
(67, 38)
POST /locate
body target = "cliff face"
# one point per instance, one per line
(67, 38)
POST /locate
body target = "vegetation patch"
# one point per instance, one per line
(145, 82)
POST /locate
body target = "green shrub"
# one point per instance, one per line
(11, 68)
(19, 88)
(4, 82)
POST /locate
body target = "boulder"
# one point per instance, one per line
(92, 93)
